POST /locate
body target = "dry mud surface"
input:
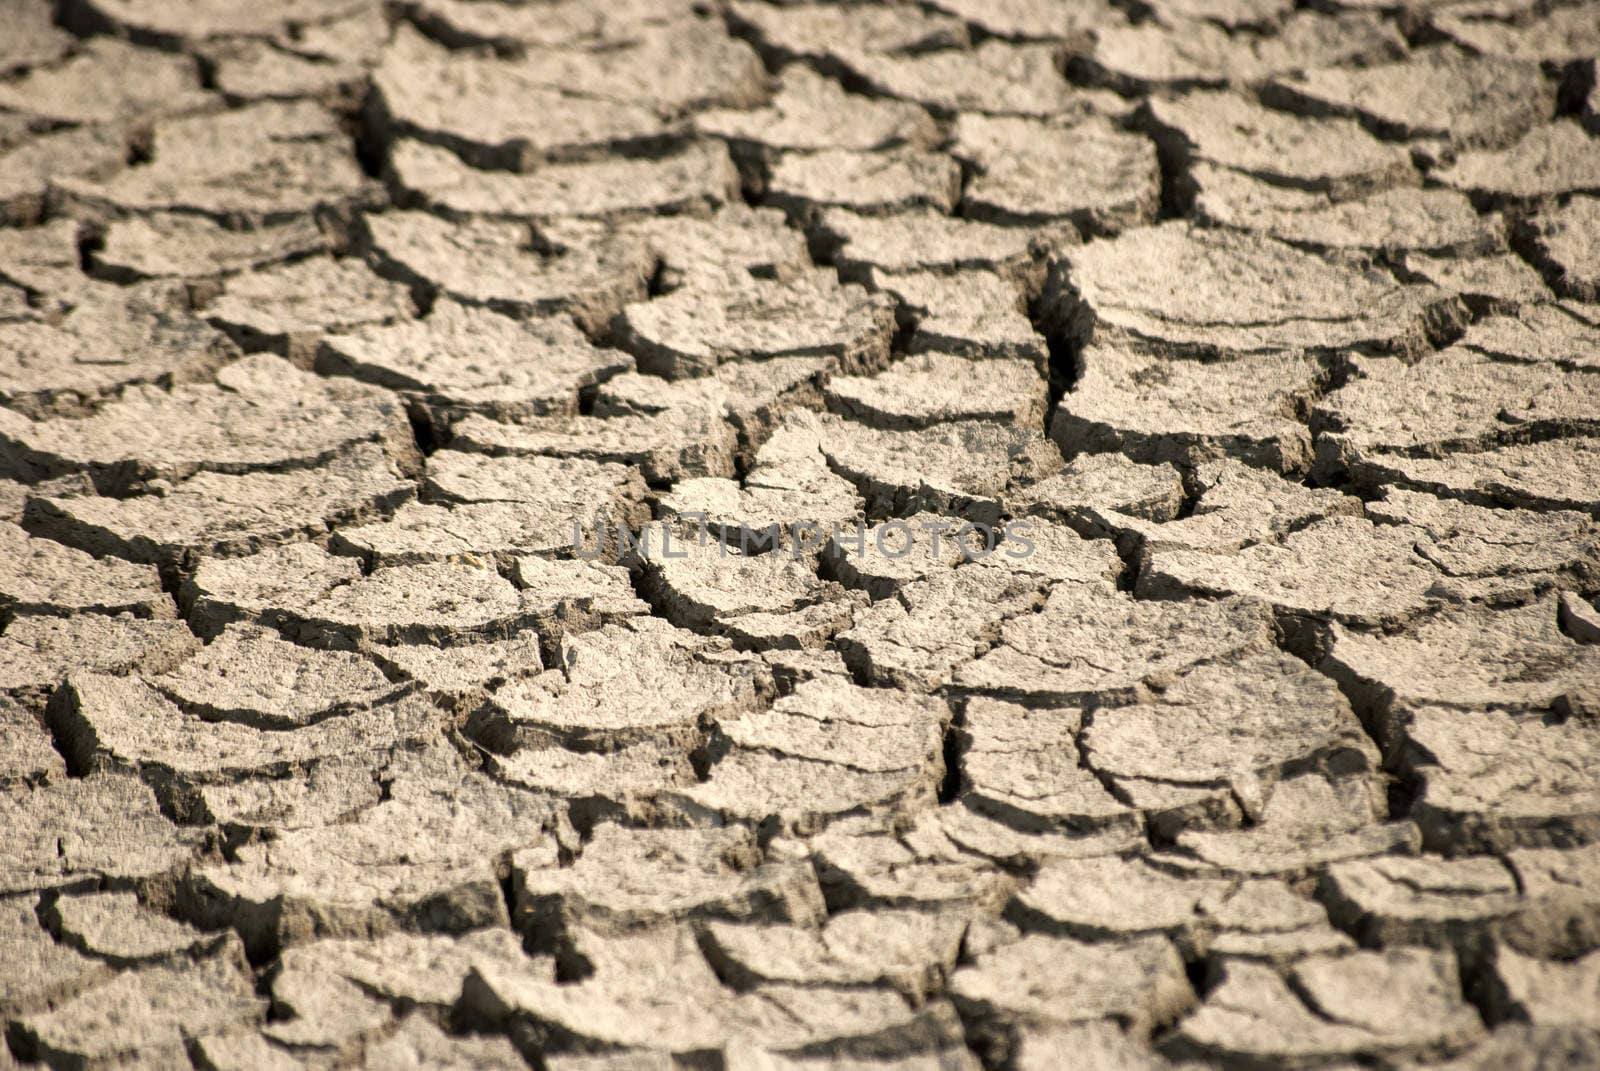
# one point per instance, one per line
(1267, 334)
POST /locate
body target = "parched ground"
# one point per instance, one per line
(1267, 334)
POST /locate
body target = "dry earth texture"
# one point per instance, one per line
(1267, 334)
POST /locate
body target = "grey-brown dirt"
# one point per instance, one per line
(754, 535)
